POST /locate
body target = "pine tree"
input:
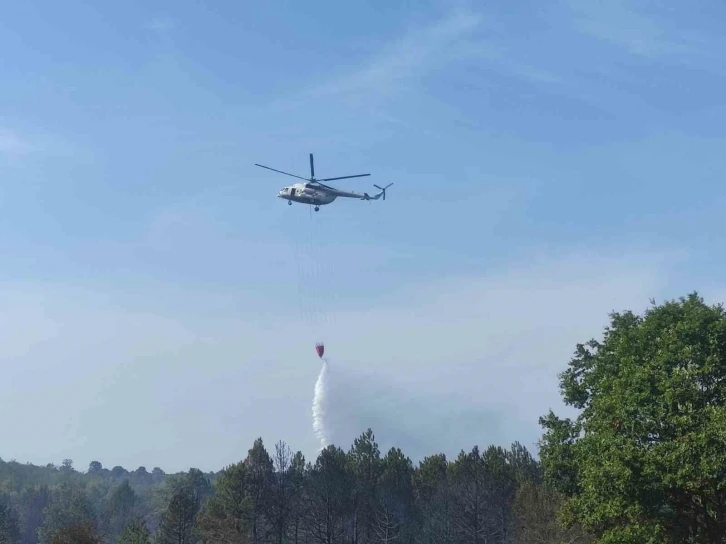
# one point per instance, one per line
(178, 523)
(135, 532)
(228, 514)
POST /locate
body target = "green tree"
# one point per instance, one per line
(200, 485)
(394, 498)
(121, 508)
(259, 484)
(81, 532)
(435, 500)
(157, 475)
(524, 466)
(119, 472)
(470, 479)
(501, 488)
(136, 532)
(645, 459)
(281, 493)
(365, 462)
(67, 466)
(141, 477)
(298, 507)
(535, 518)
(69, 513)
(9, 523)
(229, 512)
(33, 504)
(193, 482)
(328, 496)
(179, 521)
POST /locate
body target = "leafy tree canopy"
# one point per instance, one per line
(645, 459)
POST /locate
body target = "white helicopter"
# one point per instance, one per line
(314, 192)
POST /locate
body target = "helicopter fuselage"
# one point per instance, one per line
(303, 194)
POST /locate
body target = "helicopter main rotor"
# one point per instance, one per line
(312, 173)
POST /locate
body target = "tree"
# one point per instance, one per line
(121, 507)
(535, 518)
(33, 504)
(524, 467)
(328, 497)
(259, 484)
(394, 498)
(69, 513)
(645, 459)
(200, 485)
(81, 532)
(500, 491)
(365, 462)
(136, 532)
(435, 498)
(9, 523)
(356, 497)
(470, 480)
(141, 476)
(229, 512)
(118, 472)
(298, 508)
(281, 500)
(178, 523)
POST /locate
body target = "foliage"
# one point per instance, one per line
(535, 510)
(394, 499)
(69, 513)
(364, 459)
(120, 508)
(229, 511)
(258, 480)
(33, 504)
(358, 497)
(328, 497)
(645, 459)
(75, 533)
(9, 522)
(136, 532)
(179, 521)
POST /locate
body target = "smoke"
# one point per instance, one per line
(347, 402)
(319, 422)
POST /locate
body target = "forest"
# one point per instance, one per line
(644, 462)
(277, 496)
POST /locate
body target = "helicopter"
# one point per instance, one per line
(314, 192)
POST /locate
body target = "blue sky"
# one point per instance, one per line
(552, 161)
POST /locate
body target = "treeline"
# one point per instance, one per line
(359, 497)
(644, 462)
(36, 501)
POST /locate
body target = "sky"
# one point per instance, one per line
(552, 162)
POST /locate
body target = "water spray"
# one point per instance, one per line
(319, 401)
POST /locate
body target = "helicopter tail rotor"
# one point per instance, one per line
(383, 191)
